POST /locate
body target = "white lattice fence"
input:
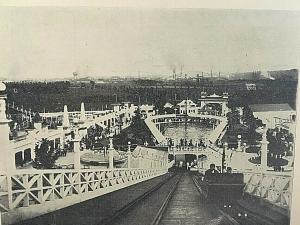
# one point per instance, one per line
(4, 205)
(275, 188)
(40, 187)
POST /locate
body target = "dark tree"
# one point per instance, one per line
(37, 118)
(136, 133)
(233, 118)
(44, 155)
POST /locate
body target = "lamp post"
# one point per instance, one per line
(239, 141)
(225, 146)
(76, 145)
(129, 155)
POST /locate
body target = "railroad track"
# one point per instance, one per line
(170, 184)
(237, 214)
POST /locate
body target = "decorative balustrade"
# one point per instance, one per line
(186, 149)
(194, 149)
(277, 189)
(40, 187)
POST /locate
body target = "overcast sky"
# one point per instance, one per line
(54, 42)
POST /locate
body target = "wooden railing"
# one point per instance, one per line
(276, 189)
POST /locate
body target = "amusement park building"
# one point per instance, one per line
(274, 114)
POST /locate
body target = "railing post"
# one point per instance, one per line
(76, 148)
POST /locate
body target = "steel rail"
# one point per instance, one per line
(163, 208)
(136, 201)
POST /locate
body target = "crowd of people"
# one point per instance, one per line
(183, 142)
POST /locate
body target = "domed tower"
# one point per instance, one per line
(7, 159)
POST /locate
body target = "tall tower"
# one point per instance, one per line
(7, 159)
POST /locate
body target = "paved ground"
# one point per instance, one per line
(188, 208)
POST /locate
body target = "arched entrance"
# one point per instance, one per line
(185, 160)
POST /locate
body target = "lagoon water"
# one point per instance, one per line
(194, 131)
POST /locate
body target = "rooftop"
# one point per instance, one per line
(270, 107)
(168, 105)
(186, 102)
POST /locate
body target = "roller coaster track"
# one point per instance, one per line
(239, 215)
(171, 182)
(162, 194)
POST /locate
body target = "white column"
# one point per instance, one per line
(32, 149)
(76, 142)
(7, 159)
(82, 112)
(62, 137)
(140, 159)
(111, 154)
(224, 108)
(66, 122)
(264, 151)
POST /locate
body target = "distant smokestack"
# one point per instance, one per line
(174, 73)
(181, 70)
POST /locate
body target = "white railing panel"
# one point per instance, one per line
(41, 186)
(275, 188)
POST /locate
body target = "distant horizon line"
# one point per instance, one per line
(162, 76)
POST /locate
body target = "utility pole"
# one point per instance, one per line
(185, 121)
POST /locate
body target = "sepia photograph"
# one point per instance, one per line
(148, 115)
